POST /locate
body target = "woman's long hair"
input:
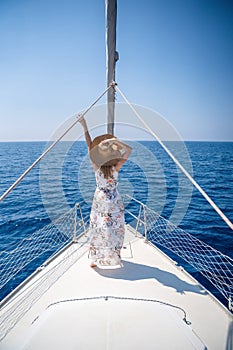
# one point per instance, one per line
(107, 170)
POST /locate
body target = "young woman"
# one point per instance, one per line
(107, 223)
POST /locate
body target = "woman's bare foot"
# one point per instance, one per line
(93, 265)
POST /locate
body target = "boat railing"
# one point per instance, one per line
(34, 251)
(137, 212)
(79, 221)
(213, 265)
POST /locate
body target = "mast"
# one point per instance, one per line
(111, 58)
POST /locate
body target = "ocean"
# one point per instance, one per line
(65, 177)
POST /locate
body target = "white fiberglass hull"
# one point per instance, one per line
(67, 303)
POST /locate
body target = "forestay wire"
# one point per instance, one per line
(198, 187)
(175, 160)
(5, 194)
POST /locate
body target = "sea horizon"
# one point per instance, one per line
(66, 177)
(136, 140)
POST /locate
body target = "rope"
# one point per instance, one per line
(212, 264)
(198, 187)
(5, 194)
(107, 297)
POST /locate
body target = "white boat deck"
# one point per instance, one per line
(63, 305)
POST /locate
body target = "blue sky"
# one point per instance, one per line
(175, 58)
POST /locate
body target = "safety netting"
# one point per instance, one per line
(43, 243)
(213, 265)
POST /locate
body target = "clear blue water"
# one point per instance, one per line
(154, 180)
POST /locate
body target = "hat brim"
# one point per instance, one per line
(102, 158)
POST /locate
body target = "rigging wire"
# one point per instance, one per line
(198, 187)
(5, 194)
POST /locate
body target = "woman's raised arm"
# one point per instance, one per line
(126, 149)
(82, 121)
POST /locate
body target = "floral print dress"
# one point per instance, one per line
(107, 223)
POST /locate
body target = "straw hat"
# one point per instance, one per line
(104, 155)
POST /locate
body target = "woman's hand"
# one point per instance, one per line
(82, 120)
